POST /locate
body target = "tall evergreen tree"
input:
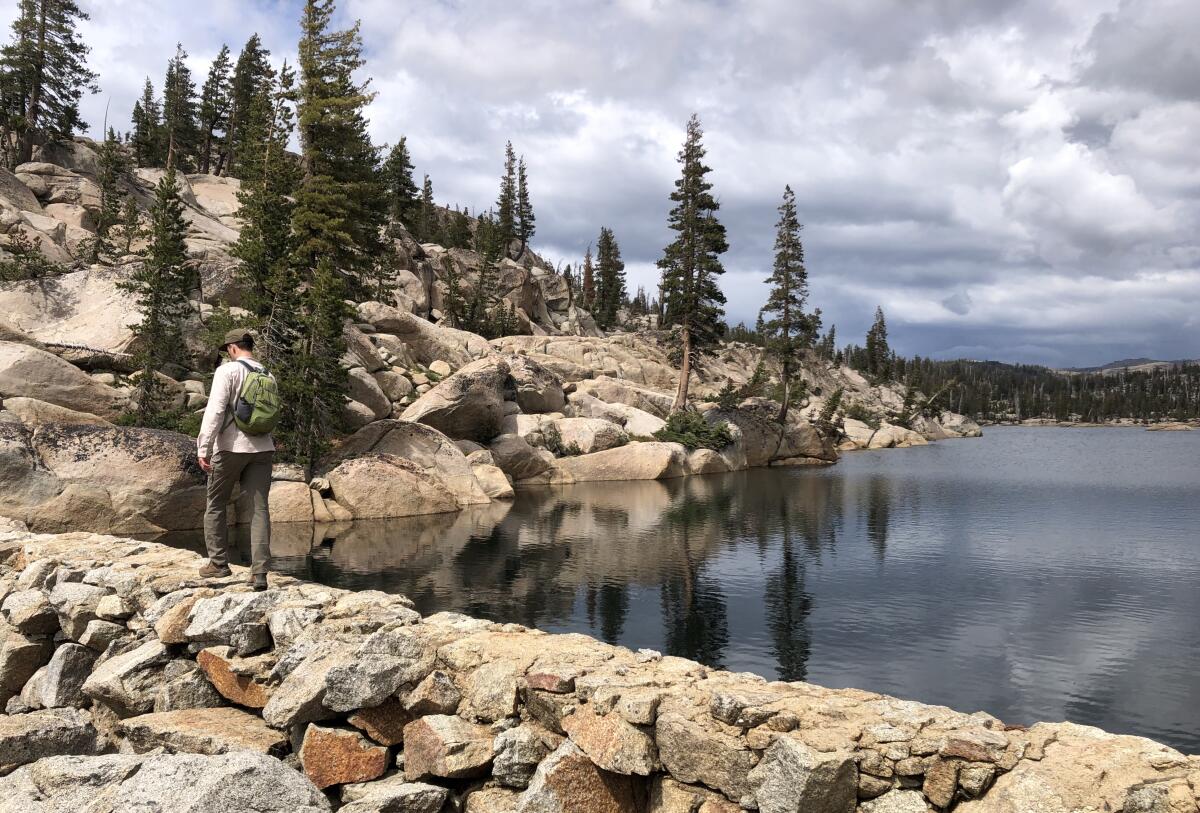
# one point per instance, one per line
(402, 192)
(459, 233)
(264, 244)
(161, 284)
(789, 330)
(214, 107)
(341, 206)
(525, 219)
(43, 75)
(879, 354)
(179, 111)
(252, 76)
(506, 202)
(690, 265)
(610, 287)
(111, 164)
(427, 226)
(337, 224)
(589, 281)
(147, 128)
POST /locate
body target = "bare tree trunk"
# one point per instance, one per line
(685, 371)
(787, 388)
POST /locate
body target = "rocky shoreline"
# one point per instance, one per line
(131, 681)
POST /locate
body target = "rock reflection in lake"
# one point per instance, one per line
(1021, 573)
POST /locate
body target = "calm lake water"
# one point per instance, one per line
(1035, 573)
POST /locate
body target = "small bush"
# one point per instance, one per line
(690, 429)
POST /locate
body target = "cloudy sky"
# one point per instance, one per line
(1009, 180)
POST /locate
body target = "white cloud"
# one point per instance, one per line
(1014, 177)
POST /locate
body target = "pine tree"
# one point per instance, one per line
(690, 265)
(264, 244)
(162, 284)
(459, 233)
(341, 205)
(427, 227)
(589, 281)
(252, 78)
(506, 202)
(214, 106)
(790, 330)
(131, 225)
(147, 129)
(403, 195)
(179, 111)
(43, 75)
(488, 243)
(112, 164)
(337, 231)
(610, 287)
(525, 219)
(879, 355)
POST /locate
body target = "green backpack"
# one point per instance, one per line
(256, 409)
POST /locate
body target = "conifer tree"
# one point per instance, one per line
(337, 230)
(112, 164)
(489, 242)
(341, 205)
(525, 219)
(179, 111)
(161, 285)
(506, 202)
(789, 330)
(43, 75)
(214, 106)
(131, 225)
(147, 129)
(402, 192)
(610, 287)
(427, 227)
(252, 77)
(879, 354)
(264, 244)
(459, 233)
(690, 265)
(589, 281)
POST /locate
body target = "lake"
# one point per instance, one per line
(1035, 573)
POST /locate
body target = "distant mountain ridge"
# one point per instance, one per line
(1136, 365)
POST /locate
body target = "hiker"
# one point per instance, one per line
(235, 446)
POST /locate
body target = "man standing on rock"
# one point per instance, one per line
(235, 447)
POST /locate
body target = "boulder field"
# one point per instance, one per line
(131, 684)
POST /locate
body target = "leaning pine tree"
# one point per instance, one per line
(787, 330)
(162, 284)
(690, 265)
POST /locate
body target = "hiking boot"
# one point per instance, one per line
(210, 571)
(259, 583)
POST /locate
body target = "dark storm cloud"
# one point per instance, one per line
(1013, 179)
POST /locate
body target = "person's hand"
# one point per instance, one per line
(205, 466)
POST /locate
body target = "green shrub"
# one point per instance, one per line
(858, 412)
(553, 442)
(690, 429)
(181, 421)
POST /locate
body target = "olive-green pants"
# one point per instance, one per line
(253, 471)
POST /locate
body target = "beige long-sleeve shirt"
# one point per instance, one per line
(218, 432)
